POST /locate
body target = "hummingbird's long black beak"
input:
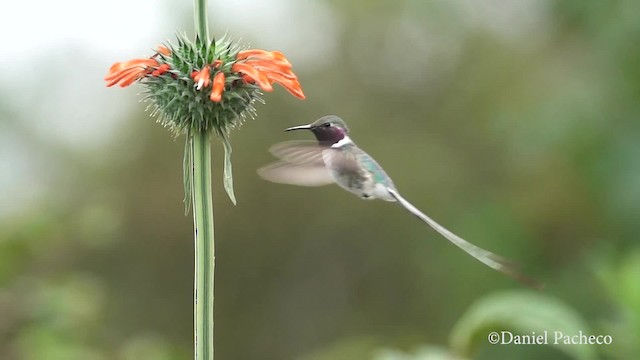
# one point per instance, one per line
(301, 127)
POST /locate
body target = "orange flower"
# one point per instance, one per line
(269, 67)
(256, 65)
(161, 70)
(218, 87)
(254, 74)
(290, 84)
(273, 56)
(202, 77)
(243, 54)
(127, 72)
(164, 50)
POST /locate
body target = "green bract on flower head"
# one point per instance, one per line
(200, 86)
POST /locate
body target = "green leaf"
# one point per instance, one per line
(621, 278)
(187, 164)
(228, 171)
(521, 313)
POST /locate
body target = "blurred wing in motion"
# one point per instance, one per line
(285, 173)
(304, 153)
(300, 164)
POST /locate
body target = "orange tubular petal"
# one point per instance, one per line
(137, 63)
(202, 77)
(277, 78)
(125, 77)
(248, 79)
(271, 68)
(164, 50)
(252, 52)
(115, 71)
(215, 97)
(284, 66)
(161, 70)
(206, 72)
(269, 63)
(127, 72)
(292, 85)
(294, 88)
(130, 80)
(218, 87)
(258, 76)
(272, 65)
(116, 67)
(218, 80)
(113, 76)
(277, 55)
(262, 55)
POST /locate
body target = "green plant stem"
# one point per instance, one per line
(204, 243)
(202, 198)
(202, 25)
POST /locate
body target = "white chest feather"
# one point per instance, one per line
(345, 140)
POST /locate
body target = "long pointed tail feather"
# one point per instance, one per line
(488, 258)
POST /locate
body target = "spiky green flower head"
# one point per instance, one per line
(205, 86)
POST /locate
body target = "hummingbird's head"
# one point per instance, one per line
(328, 129)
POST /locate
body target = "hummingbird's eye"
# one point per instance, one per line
(326, 124)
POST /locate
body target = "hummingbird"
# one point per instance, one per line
(335, 158)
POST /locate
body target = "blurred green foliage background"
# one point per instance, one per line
(513, 123)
